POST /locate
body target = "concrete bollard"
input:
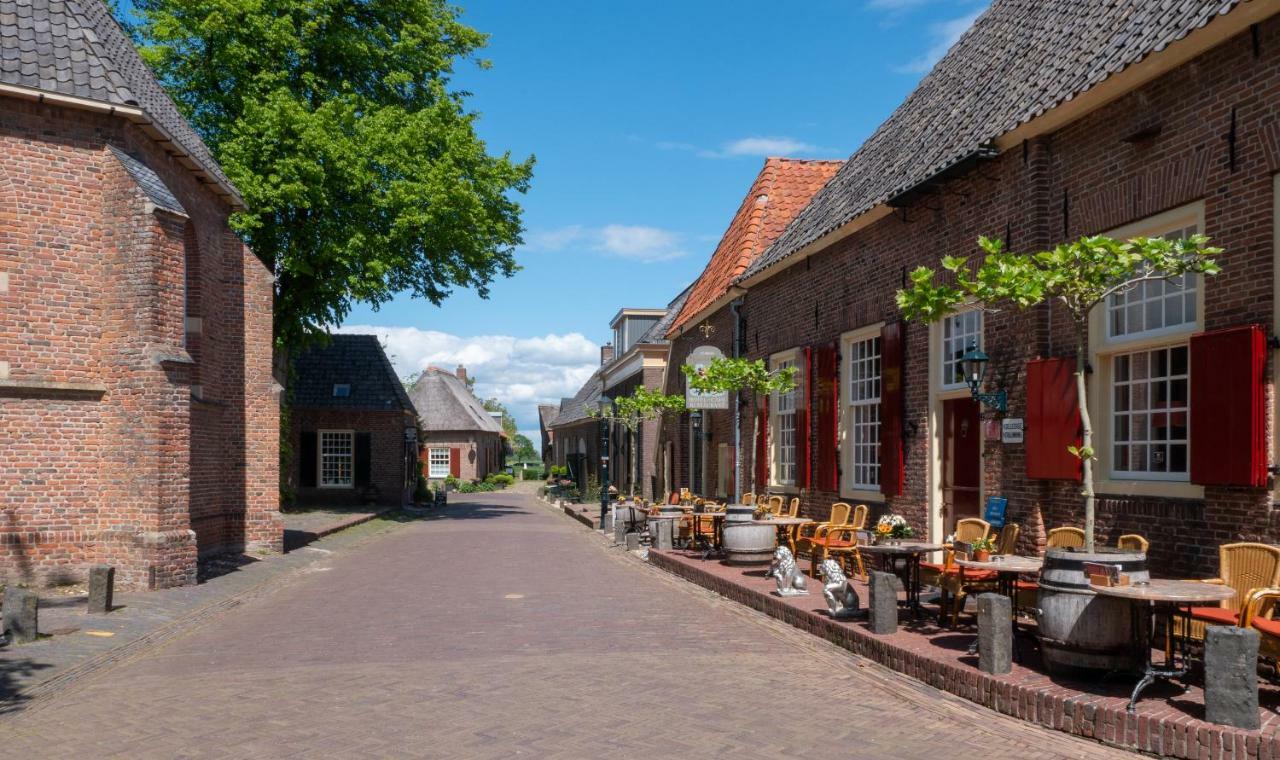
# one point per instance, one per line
(1231, 676)
(619, 528)
(633, 542)
(102, 581)
(662, 538)
(882, 606)
(21, 614)
(995, 634)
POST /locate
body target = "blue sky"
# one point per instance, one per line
(648, 121)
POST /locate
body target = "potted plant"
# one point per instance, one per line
(892, 529)
(981, 548)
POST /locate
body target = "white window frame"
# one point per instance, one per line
(350, 481)
(1105, 350)
(953, 345)
(1131, 414)
(856, 404)
(777, 448)
(432, 472)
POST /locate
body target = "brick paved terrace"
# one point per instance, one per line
(1168, 721)
(500, 627)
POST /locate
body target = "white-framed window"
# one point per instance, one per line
(437, 463)
(1157, 307)
(1149, 413)
(336, 455)
(784, 427)
(863, 413)
(958, 331)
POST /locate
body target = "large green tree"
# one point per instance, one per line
(357, 159)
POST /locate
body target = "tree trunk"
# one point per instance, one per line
(1086, 426)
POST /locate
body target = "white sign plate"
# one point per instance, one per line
(701, 357)
(1011, 430)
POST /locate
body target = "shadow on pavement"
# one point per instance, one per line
(12, 674)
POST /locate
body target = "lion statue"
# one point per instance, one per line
(784, 571)
(842, 600)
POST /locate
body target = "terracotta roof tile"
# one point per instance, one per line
(781, 190)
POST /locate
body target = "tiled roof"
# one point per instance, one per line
(354, 360)
(657, 334)
(149, 182)
(445, 403)
(1020, 59)
(75, 48)
(547, 414)
(780, 191)
(575, 409)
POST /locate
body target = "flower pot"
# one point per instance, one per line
(982, 555)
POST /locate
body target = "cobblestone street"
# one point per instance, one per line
(502, 628)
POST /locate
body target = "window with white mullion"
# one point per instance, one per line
(864, 412)
(336, 451)
(785, 422)
(438, 463)
(1156, 305)
(1150, 411)
(958, 331)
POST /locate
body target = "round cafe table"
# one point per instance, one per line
(1171, 602)
(788, 526)
(911, 551)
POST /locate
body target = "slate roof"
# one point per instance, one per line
(445, 403)
(1020, 59)
(148, 181)
(355, 360)
(76, 48)
(547, 414)
(575, 409)
(657, 334)
(780, 191)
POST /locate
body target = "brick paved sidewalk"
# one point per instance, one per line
(501, 627)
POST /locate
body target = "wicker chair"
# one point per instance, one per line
(949, 577)
(1065, 538)
(1132, 542)
(812, 538)
(749, 499)
(1256, 614)
(841, 543)
(775, 506)
(794, 509)
(1245, 567)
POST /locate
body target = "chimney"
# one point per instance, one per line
(462, 373)
(606, 354)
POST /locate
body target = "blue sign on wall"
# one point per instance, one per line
(994, 513)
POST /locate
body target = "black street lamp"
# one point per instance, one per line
(606, 406)
(695, 463)
(974, 365)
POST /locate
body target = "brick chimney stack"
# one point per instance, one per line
(606, 354)
(462, 373)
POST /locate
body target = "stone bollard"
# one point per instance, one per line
(21, 614)
(619, 528)
(882, 606)
(102, 580)
(1231, 676)
(662, 538)
(995, 634)
(633, 542)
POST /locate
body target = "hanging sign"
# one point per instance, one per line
(701, 358)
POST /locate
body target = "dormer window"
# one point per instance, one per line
(341, 390)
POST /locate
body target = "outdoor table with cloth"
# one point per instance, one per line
(911, 551)
(1172, 602)
(1007, 568)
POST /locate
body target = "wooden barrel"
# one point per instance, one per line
(747, 541)
(738, 513)
(1078, 628)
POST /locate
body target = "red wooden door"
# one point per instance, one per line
(961, 462)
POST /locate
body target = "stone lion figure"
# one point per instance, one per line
(789, 578)
(842, 600)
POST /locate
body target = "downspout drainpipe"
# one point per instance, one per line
(734, 307)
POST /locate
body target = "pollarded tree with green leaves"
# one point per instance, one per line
(723, 375)
(1077, 276)
(357, 159)
(640, 406)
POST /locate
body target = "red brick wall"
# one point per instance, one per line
(1082, 179)
(386, 454)
(104, 457)
(476, 458)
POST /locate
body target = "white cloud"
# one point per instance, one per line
(943, 34)
(749, 146)
(519, 372)
(628, 241)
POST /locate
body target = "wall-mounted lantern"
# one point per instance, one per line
(974, 363)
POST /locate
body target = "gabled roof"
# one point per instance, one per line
(1020, 59)
(75, 48)
(357, 361)
(445, 403)
(658, 333)
(575, 409)
(547, 414)
(779, 192)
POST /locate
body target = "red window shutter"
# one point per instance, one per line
(1053, 419)
(1228, 407)
(762, 446)
(892, 471)
(455, 462)
(804, 472)
(828, 414)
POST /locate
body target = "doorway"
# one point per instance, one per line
(961, 462)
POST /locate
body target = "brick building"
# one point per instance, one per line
(139, 425)
(1045, 122)
(546, 413)
(353, 428)
(701, 457)
(459, 436)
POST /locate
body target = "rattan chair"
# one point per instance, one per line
(1256, 614)
(775, 506)
(1065, 538)
(1132, 542)
(808, 534)
(949, 577)
(794, 509)
(749, 499)
(1245, 567)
